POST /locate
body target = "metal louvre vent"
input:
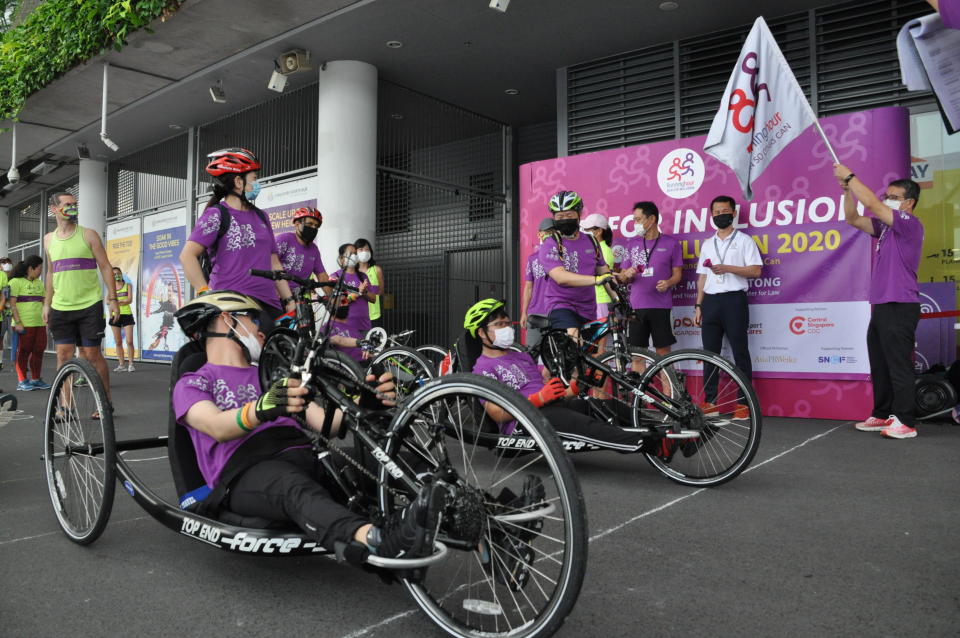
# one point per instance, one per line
(857, 65)
(706, 64)
(853, 45)
(622, 101)
(149, 178)
(282, 132)
(25, 221)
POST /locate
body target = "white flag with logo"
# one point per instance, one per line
(763, 110)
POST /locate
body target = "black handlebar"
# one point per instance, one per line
(309, 284)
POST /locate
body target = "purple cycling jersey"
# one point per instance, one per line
(298, 259)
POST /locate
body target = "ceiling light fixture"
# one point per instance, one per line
(669, 6)
(394, 44)
(512, 92)
(217, 94)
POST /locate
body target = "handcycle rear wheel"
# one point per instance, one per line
(518, 522)
(409, 368)
(727, 440)
(434, 353)
(79, 452)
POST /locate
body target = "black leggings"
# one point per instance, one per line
(571, 418)
(289, 487)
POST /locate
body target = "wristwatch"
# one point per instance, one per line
(698, 305)
(846, 180)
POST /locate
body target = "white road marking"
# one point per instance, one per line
(386, 621)
(30, 538)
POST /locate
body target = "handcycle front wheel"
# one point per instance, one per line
(727, 425)
(79, 451)
(515, 524)
(409, 368)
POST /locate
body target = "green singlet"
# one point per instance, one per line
(76, 284)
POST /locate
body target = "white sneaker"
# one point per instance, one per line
(898, 430)
(130, 368)
(120, 368)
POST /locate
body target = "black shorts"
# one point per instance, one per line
(82, 327)
(122, 320)
(653, 322)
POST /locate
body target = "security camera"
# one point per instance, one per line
(278, 82)
(106, 140)
(500, 5)
(13, 175)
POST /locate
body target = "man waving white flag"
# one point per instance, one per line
(763, 110)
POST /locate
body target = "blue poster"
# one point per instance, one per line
(163, 287)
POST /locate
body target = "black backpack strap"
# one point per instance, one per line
(256, 448)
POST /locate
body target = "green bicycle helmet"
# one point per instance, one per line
(566, 200)
(478, 312)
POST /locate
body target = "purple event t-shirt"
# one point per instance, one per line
(950, 13)
(579, 256)
(515, 369)
(229, 388)
(298, 259)
(537, 275)
(666, 256)
(897, 260)
(358, 318)
(248, 243)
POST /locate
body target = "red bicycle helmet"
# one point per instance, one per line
(307, 211)
(232, 160)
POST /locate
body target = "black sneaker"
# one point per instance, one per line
(514, 553)
(409, 533)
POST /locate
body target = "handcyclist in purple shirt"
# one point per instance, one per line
(894, 295)
(224, 409)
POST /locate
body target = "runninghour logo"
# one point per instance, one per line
(739, 100)
(680, 173)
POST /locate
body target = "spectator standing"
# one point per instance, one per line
(124, 323)
(368, 266)
(26, 305)
(531, 304)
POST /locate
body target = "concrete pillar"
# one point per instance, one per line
(5, 229)
(346, 155)
(92, 200)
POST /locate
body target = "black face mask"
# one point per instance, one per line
(566, 226)
(723, 221)
(307, 233)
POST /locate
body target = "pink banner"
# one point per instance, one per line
(808, 308)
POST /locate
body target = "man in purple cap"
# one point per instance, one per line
(894, 294)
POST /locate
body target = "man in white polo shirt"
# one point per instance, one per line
(727, 260)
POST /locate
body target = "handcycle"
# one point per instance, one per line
(686, 438)
(509, 557)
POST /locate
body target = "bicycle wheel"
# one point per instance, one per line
(409, 368)
(434, 353)
(79, 452)
(516, 525)
(666, 382)
(277, 353)
(727, 428)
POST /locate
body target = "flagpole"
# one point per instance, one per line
(816, 122)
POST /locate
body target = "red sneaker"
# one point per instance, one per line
(872, 424)
(898, 430)
(709, 409)
(741, 412)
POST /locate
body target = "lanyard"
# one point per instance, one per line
(726, 250)
(648, 253)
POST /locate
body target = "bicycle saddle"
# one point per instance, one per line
(537, 322)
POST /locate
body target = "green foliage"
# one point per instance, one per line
(60, 34)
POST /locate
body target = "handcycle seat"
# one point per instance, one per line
(183, 458)
(537, 322)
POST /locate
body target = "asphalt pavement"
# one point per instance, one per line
(831, 532)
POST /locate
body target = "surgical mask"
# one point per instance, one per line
(349, 261)
(364, 256)
(892, 203)
(70, 211)
(7, 267)
(250, 341)
(252, 195)
(566, 226)
(723, 221)
(503, 337)
(308, 234)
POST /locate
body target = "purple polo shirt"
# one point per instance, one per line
(248, 243)
(579, 256)
(229, 388)
(656, 258)
(298, 259)
(537, 276)
(897, 258)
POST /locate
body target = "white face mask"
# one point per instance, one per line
(7, 267)
(892, 203)
(349, 261)
(364, 256)
(250, 341)
(503, 337)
